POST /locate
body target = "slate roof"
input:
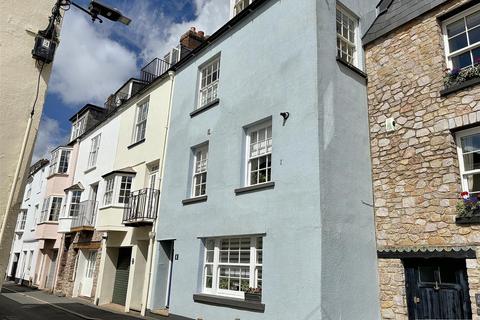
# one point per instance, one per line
(395, 13)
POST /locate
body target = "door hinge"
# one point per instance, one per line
(416, 300)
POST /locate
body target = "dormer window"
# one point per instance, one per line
(59, 161)
(240, 5)
(78, 127)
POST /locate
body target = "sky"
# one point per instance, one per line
(94, 59)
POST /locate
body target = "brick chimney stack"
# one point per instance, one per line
(192, 38)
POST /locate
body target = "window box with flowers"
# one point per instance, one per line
(253, 294)
(468, 209)
(457, 79)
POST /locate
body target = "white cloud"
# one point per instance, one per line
(88, 64)
(49, 137)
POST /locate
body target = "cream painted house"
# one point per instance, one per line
(130, 194)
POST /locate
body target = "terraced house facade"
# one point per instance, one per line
(422, 61)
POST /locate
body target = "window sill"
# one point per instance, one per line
(257, 187)
(57, 175)
(204, 108)
(112, 206)
(47, 222)
(353, 68)
(194, 200)
(229, 302)
(90, 169)
(136, 143)
(458, 87)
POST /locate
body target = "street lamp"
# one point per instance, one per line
(46, 41)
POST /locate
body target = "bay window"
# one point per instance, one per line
(51, 209)
(232, 265)
(59, 161)
(75, 203)
(117, 189)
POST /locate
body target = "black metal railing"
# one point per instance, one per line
(141, 206)
(154, 69)
(87, 212)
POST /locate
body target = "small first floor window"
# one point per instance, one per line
(108, 195)
(200, 171)
(22, 218)
(468, 148)
(75, 203)
(125, 188)
(232, 265)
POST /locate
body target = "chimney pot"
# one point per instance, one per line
(192, 29)
(201, 33)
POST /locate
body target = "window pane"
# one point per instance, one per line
(474, 35)
(476, 55)
(448, 275)
(210, 256)
(470, 143)
(473, 20)
(455, 28)
(458, 42)
(210, 244)
(473, 182)
(462, 61)
(427, 274)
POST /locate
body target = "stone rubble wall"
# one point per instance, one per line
(415, 169)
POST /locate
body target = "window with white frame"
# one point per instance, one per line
(232, 265)
(259, 154)
(109, 187)
(51, 209)
(240, 5)
(94, 146)
(22, 218)
(199, 181)
(125, 188)
(75, 203)
(209, 77)
(59, 161)
(346, 38)
(29, 190)
(462, 38)
(78, 127)
(468, 148)
(140, 122)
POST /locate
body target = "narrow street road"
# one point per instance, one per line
(22, 303)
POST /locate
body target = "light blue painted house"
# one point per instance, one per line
(266, 204)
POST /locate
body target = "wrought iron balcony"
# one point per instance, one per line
(154, 69)
(141, 207)
(85, 219)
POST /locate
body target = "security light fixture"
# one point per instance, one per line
(46, 41)
(96, 8)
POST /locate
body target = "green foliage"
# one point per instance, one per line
(468, 208)
(458, 76)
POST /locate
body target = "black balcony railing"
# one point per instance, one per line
(87, 212)
(154, 69)
(141, 207)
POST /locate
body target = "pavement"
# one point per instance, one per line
(24, 303)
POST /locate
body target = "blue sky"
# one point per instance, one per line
(93, 60)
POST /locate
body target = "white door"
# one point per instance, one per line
(89, 271)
